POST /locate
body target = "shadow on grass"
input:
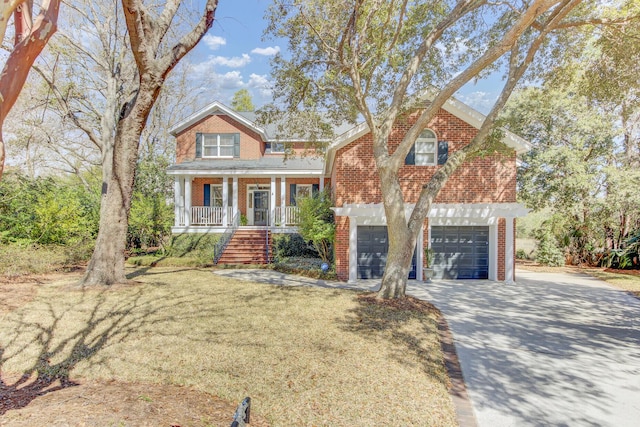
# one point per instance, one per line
(54, 346)
(409, 325)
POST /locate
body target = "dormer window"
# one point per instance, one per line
(217, 145)
(274, 147)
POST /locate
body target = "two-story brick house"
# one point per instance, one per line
(230, 171)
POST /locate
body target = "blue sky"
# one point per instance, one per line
(233, 56)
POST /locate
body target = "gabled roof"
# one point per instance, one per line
(214, 108)
(452, 106)
(247, 118)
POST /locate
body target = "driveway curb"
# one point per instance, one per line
(458, 388)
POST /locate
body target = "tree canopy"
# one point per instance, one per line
(241, 101)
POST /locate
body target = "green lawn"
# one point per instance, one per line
(306, 356)
(623, 280)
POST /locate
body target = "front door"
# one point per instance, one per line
(260, 208)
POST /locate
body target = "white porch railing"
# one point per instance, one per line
(291, 215)
(209, 215)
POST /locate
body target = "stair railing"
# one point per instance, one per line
(226, 237)
(266, 246)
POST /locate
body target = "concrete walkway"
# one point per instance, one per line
(551, 350)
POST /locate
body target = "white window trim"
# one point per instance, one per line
(309, 186)
(433, 139)
(217, 146)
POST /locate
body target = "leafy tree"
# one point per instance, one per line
(586, 144)
(378, 58)
(317, 224)
(241, 101)
(156, 54)
(151, 217)
(548, 252)
(30, 38)
(47, 210)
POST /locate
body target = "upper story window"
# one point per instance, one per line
(274, 147)
(217, 145)
(427, 150)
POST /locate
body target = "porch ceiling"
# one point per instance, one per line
(264, 166)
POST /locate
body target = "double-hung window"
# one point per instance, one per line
(428, 151)
(217, 145)
(426, 148)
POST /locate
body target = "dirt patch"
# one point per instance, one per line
(91, 403)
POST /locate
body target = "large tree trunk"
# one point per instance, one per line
(401, 239)
(107, 262)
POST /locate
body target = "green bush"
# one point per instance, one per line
(150, 221)
(317, 224)
(291, 245)
(303, 266)
(48, 210)
(548, 252)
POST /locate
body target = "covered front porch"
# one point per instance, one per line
(208, 203)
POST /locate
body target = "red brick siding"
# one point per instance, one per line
(482, 180)
(341, 249)
(251, 145)
(502, 231)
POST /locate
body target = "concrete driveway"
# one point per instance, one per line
(551, 350)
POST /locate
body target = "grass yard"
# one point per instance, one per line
(628, 280)
(306, 356)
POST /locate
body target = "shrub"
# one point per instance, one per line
(548, 252)
(150, 221)
(308, 267)
(522, 254)
(317, 224)
(292, 245)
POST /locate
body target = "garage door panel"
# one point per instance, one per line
(460, 252)
(373, 246)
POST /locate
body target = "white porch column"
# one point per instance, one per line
(283, 201)
(321, 185)
(353, 249)
(225, 200)
(235, 207)
(187, 201)
(178, 199)
(508, 251)
(272, 204)
(493, 250)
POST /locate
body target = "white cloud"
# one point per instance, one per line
(214, 42)
(266, 51)
(234, 62)
(261, 83)
(481, 101)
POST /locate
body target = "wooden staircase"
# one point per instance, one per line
(246, 247)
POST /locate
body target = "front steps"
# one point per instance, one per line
(246, 247)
